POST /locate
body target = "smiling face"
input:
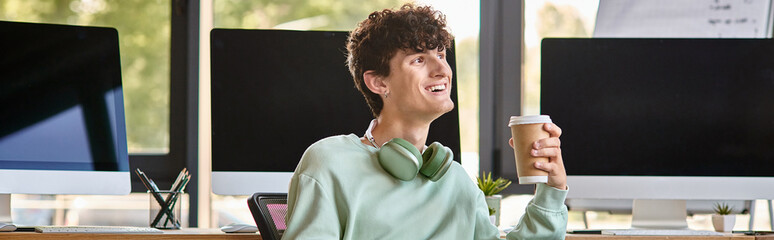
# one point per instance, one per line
(419, 85)
(372, 46)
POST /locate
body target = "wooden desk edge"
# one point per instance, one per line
(185, 233)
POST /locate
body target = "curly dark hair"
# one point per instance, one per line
(378, 38)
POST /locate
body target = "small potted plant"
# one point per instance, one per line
(491, 188)
(723, 220)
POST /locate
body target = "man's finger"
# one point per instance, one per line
(547, 143)
(552, 129)
(545, 152)
(548, 167)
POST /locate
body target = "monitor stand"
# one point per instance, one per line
(659, 214)
(6, 224)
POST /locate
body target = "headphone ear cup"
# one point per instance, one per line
(401, 159)
(437, 160)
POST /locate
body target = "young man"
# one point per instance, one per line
(348, 187)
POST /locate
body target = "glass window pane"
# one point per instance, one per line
(144, 44)
(550, 18)
(463, 18)
(144, 40)
(296, 14)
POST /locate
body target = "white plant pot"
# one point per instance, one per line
(494, 203)
(723, 223)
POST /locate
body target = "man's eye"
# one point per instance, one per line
(417, 60)
(441, 56)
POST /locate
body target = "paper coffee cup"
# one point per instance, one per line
(525, 131)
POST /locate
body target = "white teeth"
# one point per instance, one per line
(437, 88)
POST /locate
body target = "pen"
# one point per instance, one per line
(586, 231)
(153, 185)
(149, 184)
(177, 194)
(154, 190)
(173, 198)
(143, 179)
(169, 202)
(179, 178)
(176, 185)
(751, 232)
(164, 208)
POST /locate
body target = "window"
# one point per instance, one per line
(573, 18)
(462, 19)
(145, 45)
(550, 18)
(152, 65)
(556, 18)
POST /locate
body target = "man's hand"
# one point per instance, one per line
(551, 148)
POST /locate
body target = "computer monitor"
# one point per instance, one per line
(62, 127)
(274, 93)
(663, 119)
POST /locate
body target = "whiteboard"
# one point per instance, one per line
(684, 19)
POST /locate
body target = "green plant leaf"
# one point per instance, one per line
(723, 209)
(491, 187)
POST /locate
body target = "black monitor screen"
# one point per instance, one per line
(61, 105)
(662, 107)
(275, 92)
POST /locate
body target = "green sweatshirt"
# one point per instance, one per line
(339, 191)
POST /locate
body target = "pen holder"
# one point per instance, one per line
(165, 209)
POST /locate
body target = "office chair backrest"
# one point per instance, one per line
(269, 210)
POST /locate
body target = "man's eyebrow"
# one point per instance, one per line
(412, 54)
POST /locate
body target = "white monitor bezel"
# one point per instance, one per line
(64, 182)
(669, 187)
(247, 183)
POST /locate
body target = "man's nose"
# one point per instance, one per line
(440, 68)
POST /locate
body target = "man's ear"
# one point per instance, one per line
(375, 82)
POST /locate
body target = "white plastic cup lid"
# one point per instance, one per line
(532, 119)
(533, 179)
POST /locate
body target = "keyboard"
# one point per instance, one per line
(95, 229)
(660, 232)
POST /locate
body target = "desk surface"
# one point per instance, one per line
(186, 233)
(608, 237)
(216, 234)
